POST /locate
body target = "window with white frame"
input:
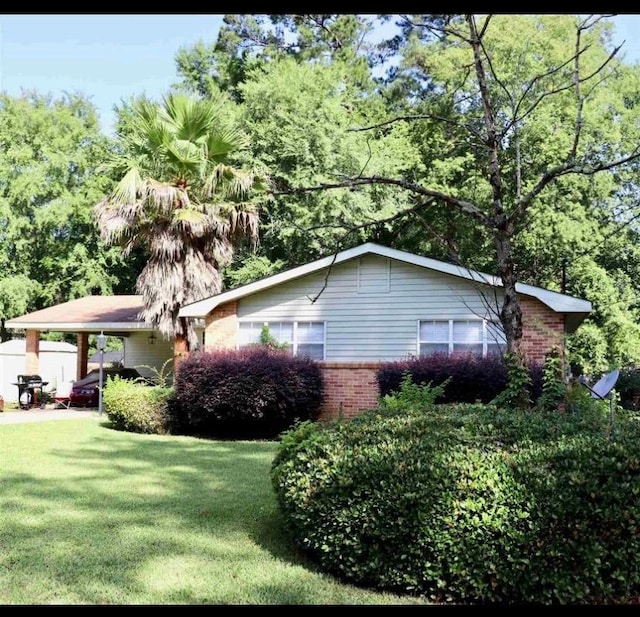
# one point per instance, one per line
(303, 338)
(477, 336)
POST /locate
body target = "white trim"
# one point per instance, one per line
(78, 326)
(558, 302)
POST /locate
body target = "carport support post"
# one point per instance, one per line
(102, 343)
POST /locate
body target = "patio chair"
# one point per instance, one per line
(61, 394)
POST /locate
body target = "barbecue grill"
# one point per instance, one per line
(30, 391)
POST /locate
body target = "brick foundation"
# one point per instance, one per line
(349, 388)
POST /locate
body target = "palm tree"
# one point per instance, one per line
(181, 200)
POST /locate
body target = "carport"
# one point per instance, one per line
(113, 315)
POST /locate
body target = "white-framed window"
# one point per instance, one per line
(303, 338)
(478, 336)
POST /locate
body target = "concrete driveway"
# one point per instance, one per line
(14, 416)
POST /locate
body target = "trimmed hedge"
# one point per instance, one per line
(137, 407)
(470, 504)
(255, 392)
(471, 378)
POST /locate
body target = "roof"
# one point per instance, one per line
(558, 302)
(90, 314)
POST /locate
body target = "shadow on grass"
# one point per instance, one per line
(90, 515)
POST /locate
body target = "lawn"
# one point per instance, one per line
(89, 515)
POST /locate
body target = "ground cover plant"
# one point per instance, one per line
(91, 515)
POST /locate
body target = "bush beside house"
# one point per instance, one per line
(255, 392)
(470, 503)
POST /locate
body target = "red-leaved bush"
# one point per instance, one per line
(255, 392)
(472, 378)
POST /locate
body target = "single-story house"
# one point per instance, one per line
(370, 304)
(349, 311)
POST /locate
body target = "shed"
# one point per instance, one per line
(57, 364)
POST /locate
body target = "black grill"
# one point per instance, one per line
(29, 390)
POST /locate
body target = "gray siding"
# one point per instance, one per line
(369, 316)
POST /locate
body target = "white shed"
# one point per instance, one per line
(57, 364)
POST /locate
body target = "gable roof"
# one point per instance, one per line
(558, 302)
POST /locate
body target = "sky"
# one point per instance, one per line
(110, 57)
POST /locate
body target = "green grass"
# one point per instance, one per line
(89, 515)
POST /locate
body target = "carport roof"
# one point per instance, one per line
(88, 314)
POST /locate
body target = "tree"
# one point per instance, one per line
(181, 198)
(490, 90)
(50, 249)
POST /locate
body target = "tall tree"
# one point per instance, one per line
(492, 90)
(180, 198)
(50, 250)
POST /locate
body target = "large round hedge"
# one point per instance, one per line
(470, 504)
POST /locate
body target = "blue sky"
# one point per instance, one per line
(110, 57)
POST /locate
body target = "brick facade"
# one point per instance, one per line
(221, 327)
(351, 387)
(542, 328)
(32, 353)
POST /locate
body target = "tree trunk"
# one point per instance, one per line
(511, 312)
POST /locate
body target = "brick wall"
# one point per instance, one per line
(542, 329)
(221, 327)
(349, 388)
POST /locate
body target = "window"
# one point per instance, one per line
(304, 338)
(477, 336)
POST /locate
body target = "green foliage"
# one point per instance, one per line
(516, 394)
(628, 388)
(469, 503)
(136, 407)
(162, 376)
(554, 388)
(266, 338)
(412, 395)
(50, 250)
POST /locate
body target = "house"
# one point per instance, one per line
(371, 304)
(350, 311)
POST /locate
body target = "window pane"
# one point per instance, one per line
(311, 332)
(434, 331)
(426, 349)
(495, 350)
(249, 333)
(314, 351)
(282, 331)
(467, 332)
(468, 348)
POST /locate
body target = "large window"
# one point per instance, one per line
(303, 338)
(477, 336)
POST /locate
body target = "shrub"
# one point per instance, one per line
(471, 378)
(469, 503)
(136, 407)
(628, 388)
(251, 392)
